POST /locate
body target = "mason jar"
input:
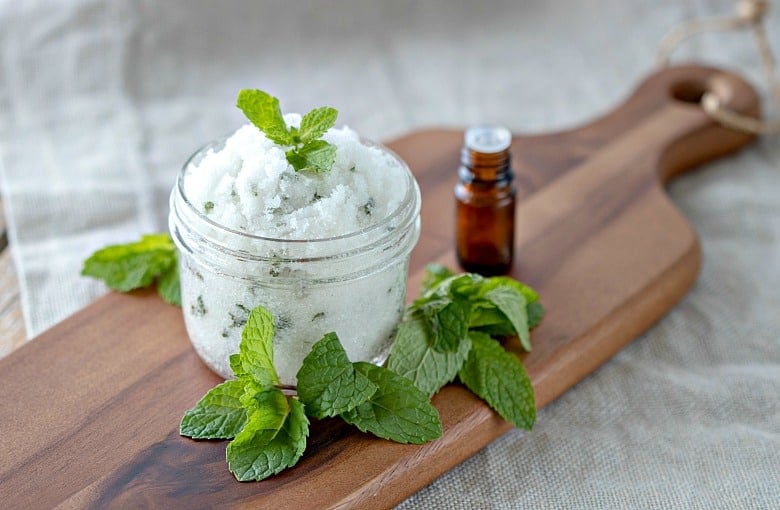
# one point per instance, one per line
(352, 284)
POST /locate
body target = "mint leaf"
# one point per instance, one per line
(465, 286)
(446, 322)
(397, 411)
(262, 110)
(435, 274)
(315, 123)
(413, 358)
(315, 156)
(484, 313)
(528, 293)
(328, 384)
(487, 318)
(218, 415)
(126, 267)
(273, 438)
(512, 304)
(534, 309)
(267, 399)
(237, 366)
(535, 313)
(168, 284)
(256, 350)
(500, 379)
(456, 287)
(450, 325)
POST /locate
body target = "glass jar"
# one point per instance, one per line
(353, 284)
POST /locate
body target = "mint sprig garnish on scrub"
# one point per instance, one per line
(269, 427)
(307, 153)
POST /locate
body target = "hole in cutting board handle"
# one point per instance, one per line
(701, 137)
(692, 91)
(689, 91)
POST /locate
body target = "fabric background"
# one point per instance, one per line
(101, 102)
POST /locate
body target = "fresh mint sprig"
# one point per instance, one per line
(150, 261)
(268, 428)
(307, 152)
(453, 330)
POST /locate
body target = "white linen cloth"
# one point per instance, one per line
(101, 102)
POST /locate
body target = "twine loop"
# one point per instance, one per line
(750, 15)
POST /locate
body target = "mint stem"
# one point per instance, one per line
(290, 388)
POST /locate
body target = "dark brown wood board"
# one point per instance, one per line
(89, 411)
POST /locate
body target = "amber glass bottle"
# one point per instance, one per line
(485, 197)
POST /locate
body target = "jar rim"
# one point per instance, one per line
(398, 211)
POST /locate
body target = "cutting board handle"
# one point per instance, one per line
(685, 134)
(660, 131)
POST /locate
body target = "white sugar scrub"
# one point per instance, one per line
(323, 251)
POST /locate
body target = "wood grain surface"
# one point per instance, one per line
(90, 409)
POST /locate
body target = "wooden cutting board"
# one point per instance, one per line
(90, 409)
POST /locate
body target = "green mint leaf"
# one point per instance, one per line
(218, 415)
(168, 284)
(262, 110)
(257, 347)
(455, 287)
(447, 322)
(451, 325)
(295, 135)
(530, 295)
(500, 379)
(534, 309)
(465, 286)
(328, 384)
(237, 366)
(535, 313)
(484, 313)
(265, 400)
(435, 274)
(413, 358)
(272, 440)
(315, 123)
(397, 411)
(511, 303)
(254, 394)
(125, 267)
(486, 317)
(315, 156)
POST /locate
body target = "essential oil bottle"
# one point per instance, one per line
(485, 197)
